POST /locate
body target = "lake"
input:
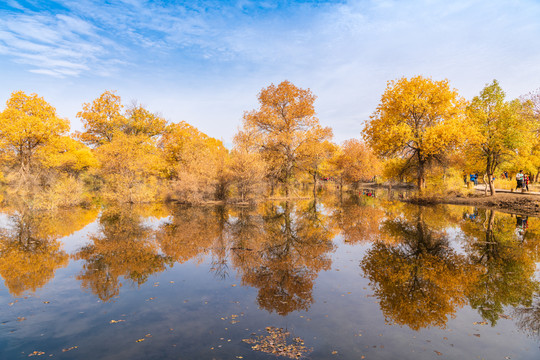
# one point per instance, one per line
(363, 277)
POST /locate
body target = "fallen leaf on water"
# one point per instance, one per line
(115, 321)
(69, 348)
(438, 352)
(148, 335)
(149, 299)
(46, 302)
(37, 353)
(480, 323)
(140, 340)
(22, 318)
(334, 352)
(477, 335)
(503, 316)
(233, 285)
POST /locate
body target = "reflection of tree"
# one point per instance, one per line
(190, 232)
(504, 267)
(417, 277)
(358, 223)
(293, 246)
(30, 251)
(124, 247)
(528, 317)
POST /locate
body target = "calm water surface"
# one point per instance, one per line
(361, 278)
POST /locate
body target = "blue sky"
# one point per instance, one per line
(205, 61)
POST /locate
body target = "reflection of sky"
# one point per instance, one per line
(187, 311)
(4, 220)
(204, 61)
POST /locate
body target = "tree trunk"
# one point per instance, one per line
(489, 172)
(421, 176)
(315, 184)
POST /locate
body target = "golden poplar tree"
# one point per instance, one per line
(283, 128)
(27, 124)
(500, 129)
(417, 120)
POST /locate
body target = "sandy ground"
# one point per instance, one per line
(518, 203)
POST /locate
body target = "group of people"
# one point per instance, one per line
(522, 181)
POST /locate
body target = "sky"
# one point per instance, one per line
(205, 61)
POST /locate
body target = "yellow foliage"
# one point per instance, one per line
(130, 166)
(195, 162)
(27, 124)
(67, 154)
(284, 130)
(418, 120)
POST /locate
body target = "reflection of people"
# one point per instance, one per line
(522, 222)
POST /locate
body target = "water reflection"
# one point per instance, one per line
(294, 244)
(124, 247)
(423, 263)
(503, 266)
(418, 278)
(30, 250)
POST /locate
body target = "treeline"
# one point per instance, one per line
(424, 131)
(421, 131)
(130, 154)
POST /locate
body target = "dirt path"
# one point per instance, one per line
(526, 204)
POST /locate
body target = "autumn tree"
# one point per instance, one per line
(418, 120)
(313, 156)
(27, 124)
(194, 162)
(130, 167)
(247, 173)
(355, 162)
(283, 128)
(499, 129)
(103, 118)
(531, 102)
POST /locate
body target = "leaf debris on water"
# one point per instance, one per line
(115, 321)
(276, 342)
(69, 348)
(37, 353)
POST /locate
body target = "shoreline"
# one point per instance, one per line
(505, 202)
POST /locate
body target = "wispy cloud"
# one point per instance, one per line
(56, 45)
(220, 52)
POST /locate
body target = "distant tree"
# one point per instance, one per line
(283, 128)
(417, 120)
(499, 129)
(356, 162)
(103, 118)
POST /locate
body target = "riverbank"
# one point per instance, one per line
(517, 203)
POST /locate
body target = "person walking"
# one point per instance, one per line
(526, 182)
(519, 180)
